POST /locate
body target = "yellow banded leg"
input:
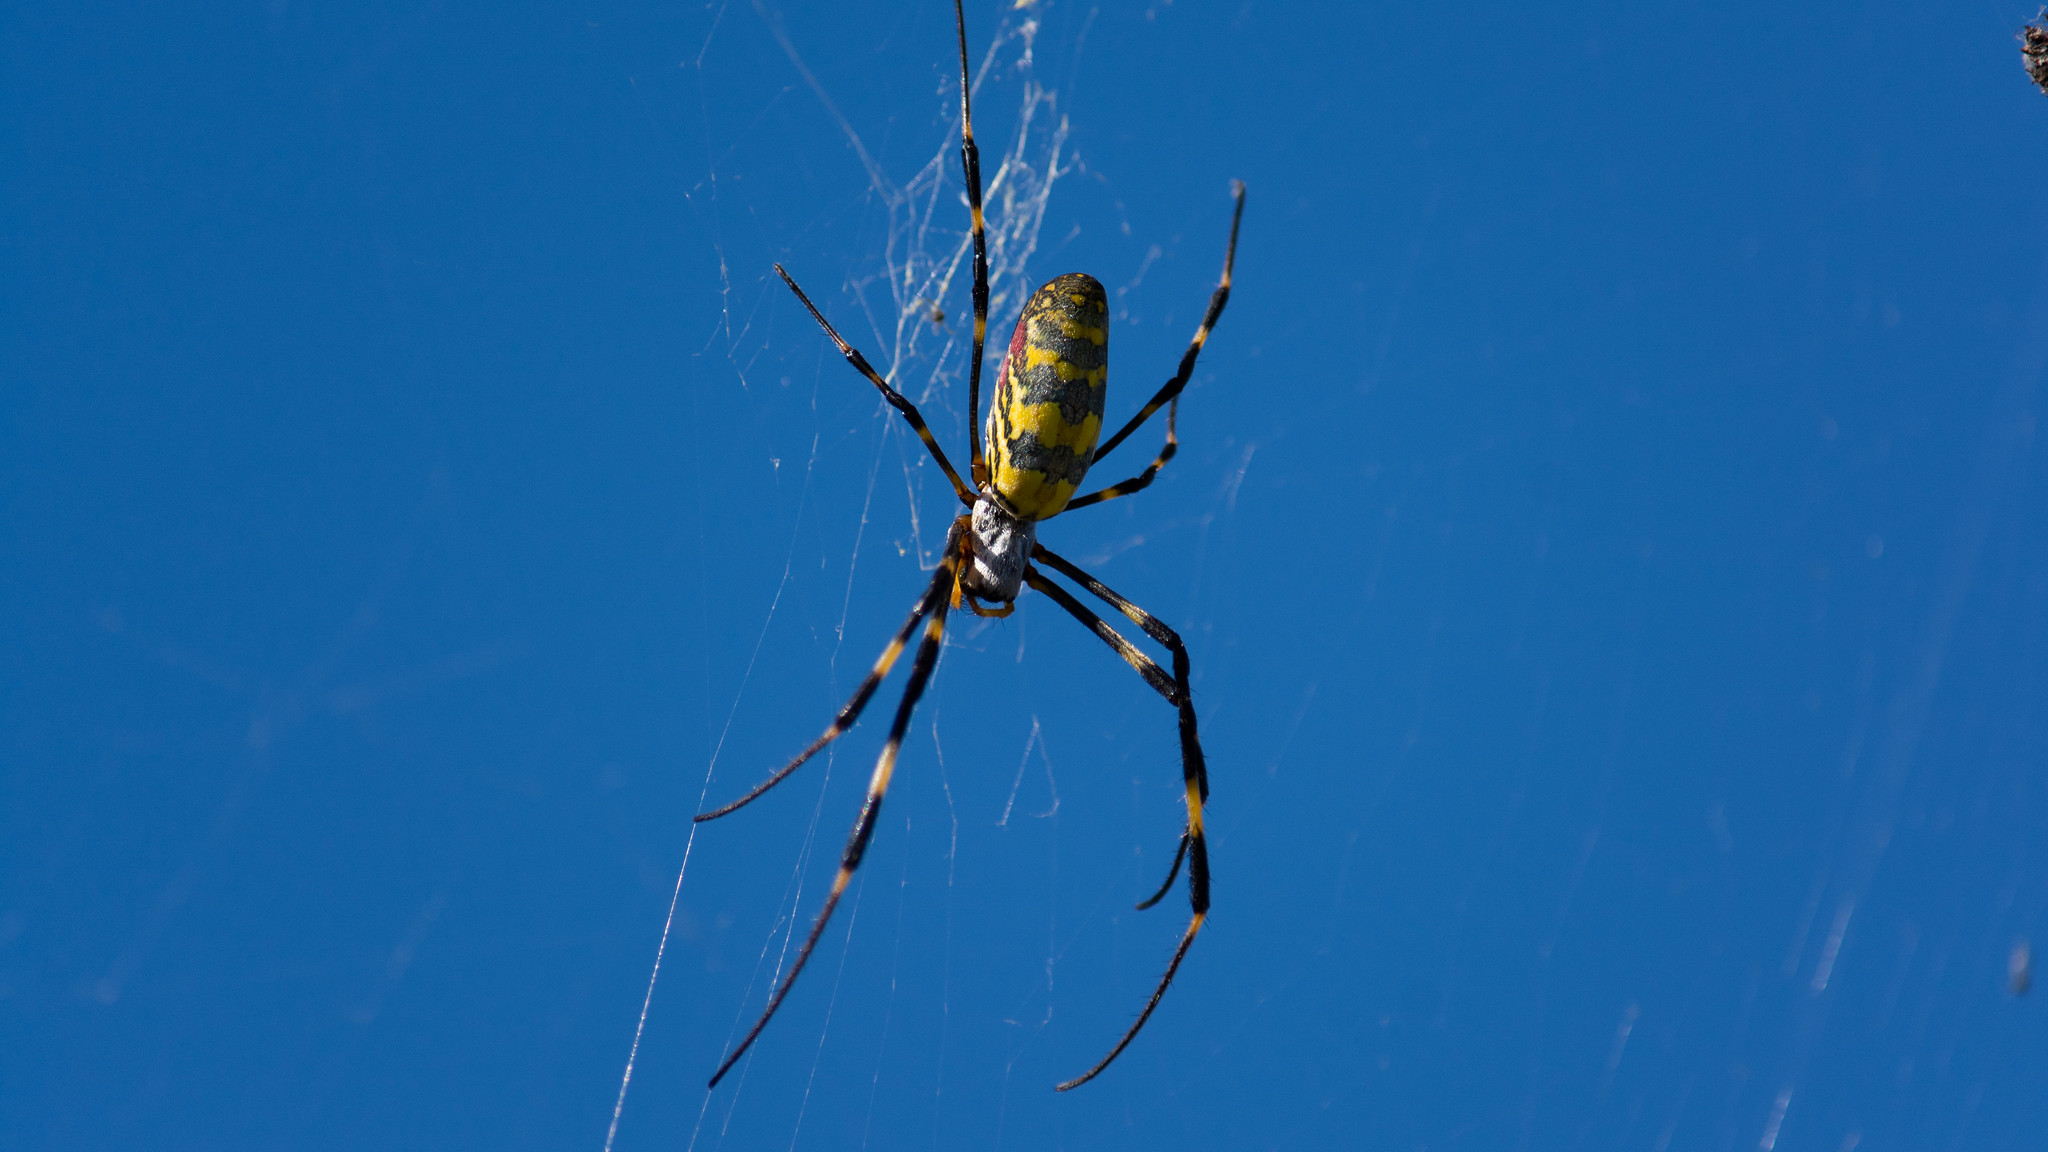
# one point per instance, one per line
(1198, 895)
(850, 713)
(1177, 692)
(871, 809)
(1157, 629)
(970, 166)
(896, 399)
(1194, 769)
(1172, 388)
(1146, 666)
(1143, 479)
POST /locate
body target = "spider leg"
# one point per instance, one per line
(895, 398)
(1170, 392)
(850, 713)
(871, 809)
(1146, 666)
(970, 165)
(1158, 630)
(1143, 479)
(1191, 747)
(1167, 886)
(1194, 770)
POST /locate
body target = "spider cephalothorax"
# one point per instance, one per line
(1002, 551)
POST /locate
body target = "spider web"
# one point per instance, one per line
(925, 258)
(927, 254)
(1641, 752)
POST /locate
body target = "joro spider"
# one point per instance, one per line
(1042, 429)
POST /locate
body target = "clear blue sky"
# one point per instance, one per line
(1607, 528)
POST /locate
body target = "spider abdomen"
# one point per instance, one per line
(1047, 410)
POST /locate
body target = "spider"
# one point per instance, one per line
(1042, 429)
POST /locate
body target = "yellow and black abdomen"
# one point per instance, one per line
(1047, 409)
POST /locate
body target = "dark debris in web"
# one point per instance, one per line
(2034, 50)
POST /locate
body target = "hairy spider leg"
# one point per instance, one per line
(850, 712)
(1170, 393)
(878, 787)
(895, 398)
(1194, 768)
(970, 166)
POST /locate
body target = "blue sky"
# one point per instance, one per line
(1606, 530)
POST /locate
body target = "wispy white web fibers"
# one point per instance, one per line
(927, 248)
